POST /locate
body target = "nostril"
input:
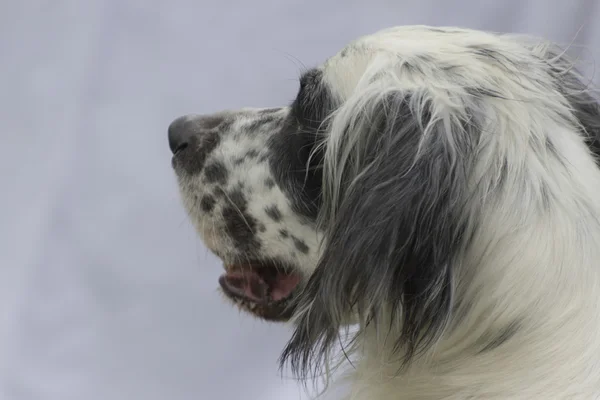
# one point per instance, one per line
(180, 147)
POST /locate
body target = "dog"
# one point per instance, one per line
(430, 200)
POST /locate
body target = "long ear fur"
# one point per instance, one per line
(394, 193)
(581, 96)
(585, 107)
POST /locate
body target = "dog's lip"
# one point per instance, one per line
(225, 281)
(264, 289)
(272, 282)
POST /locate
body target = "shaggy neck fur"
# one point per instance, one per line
(526, 321)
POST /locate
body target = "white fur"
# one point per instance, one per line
(528, 261)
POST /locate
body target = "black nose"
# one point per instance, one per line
(184, 129)
(180, 133)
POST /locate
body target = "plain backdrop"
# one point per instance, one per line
(105, 291)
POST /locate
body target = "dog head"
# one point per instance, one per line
(362, 199)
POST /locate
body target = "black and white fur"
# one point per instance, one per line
(438, 190)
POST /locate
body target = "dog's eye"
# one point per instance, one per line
(308, 79)
(303, 84)
(309, 83)
(303, 96)
(309, 105)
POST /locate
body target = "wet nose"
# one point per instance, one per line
(182, 131)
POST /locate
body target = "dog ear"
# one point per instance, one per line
(394, 187)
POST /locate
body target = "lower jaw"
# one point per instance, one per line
(279, 311)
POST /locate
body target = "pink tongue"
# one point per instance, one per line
(284, 286)
(246, 284)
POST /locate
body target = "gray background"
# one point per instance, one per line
(105, 291)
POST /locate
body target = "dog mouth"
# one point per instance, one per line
(264, 289)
